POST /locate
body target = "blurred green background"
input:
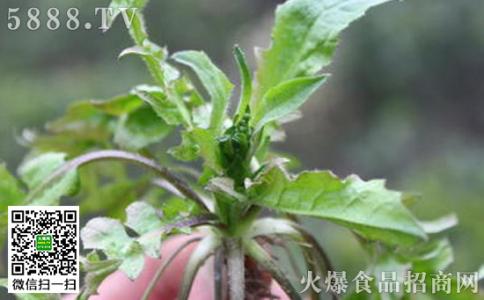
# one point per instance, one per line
(405, 102)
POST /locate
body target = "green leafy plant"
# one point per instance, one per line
(86, 152)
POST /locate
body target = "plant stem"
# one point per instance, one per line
(255, 251)
(137, 31)
(236, 269)
(163, 172)
(242, 223)
(292, 260)
(206, 248)
(218, 273)
(317, 247)
(163, 267)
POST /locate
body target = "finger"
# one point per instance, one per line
(118, 286)
(277, 291)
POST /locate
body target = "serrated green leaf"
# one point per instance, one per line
(36, 170)
(140, 128)
(110, 236)
(284, 99)
(365, 207)
(105, 234)
(304, 38)
(119, 105)
(142, 218)
(167, 95)
(214, 80)
(145, 221)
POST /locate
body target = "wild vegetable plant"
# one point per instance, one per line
(245, 198)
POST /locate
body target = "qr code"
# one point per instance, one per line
(43, 249)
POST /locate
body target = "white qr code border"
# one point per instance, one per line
(53, 280)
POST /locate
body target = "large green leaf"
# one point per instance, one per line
(366, 207)
(214, 80)
(34, 173)
(140, 128)
(284, 99)
(304, 38)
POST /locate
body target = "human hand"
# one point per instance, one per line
(117, 286)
